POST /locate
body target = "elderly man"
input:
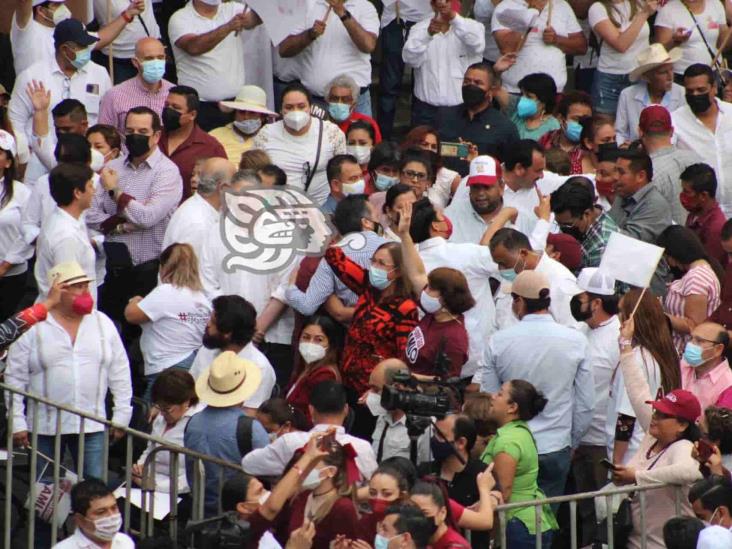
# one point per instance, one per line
(148, 88)
(342, 94)
(704, 369)
(654, 85)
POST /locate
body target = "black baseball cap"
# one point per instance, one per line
(72, 30)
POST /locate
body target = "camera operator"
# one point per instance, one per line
(390, 436)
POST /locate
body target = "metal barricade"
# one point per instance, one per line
(639, 522)
(147, 483)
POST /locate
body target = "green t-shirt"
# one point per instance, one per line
(516, 440)
(549, 124)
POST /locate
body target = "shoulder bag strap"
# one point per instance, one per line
(704, 38)
(314, 167)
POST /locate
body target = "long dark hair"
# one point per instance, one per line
(402, 287)
(8, 178)
(684, 246)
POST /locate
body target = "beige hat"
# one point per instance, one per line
(529, 285)
(69, 272)
(249, 98)
(652, 57)
(7, 142)
(229, 381)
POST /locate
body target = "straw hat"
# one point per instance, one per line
(249, 98)
(650, 58)
(229, 381)
(69, 272)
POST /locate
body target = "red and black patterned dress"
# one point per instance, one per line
(378, 330)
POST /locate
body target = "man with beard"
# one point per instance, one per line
(231, 328)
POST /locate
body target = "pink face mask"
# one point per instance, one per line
(83, 304)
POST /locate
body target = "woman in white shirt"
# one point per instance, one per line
(13, 197)
(360, 139)
(302, 144)
(698, 27)
(621, 28)
(173, 316)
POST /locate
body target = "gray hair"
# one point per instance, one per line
(208, 182)
(344, 81)
(250, 177)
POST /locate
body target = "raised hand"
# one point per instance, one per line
(40, 97)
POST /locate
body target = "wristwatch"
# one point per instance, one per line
(346, 16)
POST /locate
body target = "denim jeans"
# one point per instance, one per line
(93, 445)
(184, 364)
(518, 537)
(390, 74)
(606, 90)
(553, 471)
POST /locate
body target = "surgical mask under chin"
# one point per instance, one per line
(357, 187)
(153, 70)
(97, 161)
(81, 58)
(311, 352)
(693, 355)
(384, 182)
(248, 127)
(430, 304)
(62, 13)
(339, 111)
(373, 403)
(106, 528)
(573, 131)
(296, 120)
(361, 152)
(526, 107)
(379, 278)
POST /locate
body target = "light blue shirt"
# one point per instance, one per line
(552, 358)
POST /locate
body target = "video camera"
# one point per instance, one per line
(225, 531)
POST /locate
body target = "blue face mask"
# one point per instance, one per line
(573, 131)
(339, 111)
(81, 59)
(693, 355)
(379, 278)
(526, 107)
(153, 70)
(509, 275)
(380, 542)
(384, 182)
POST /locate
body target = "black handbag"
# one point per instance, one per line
(622, 527)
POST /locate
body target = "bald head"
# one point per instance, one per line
(214, 173)
(384, 371)
(710, 331)
(149, 49)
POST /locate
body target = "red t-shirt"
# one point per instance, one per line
(424, 342)
(451, 540)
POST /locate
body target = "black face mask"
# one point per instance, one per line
(574, 232)
(171, 119)
(137, 144)
(473, 96)
(698, 103)
(441, 449)
(575, 306)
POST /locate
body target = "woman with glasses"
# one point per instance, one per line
(384, 316)
(417, 171)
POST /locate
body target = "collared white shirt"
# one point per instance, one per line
(217, 74)
(80, 541)
(45, 362)
(30, 44)
(62, 239)
(553, 358)
(11, 215)
(334, 52)
(191, 223)
(636, 98)
(483, 12)
(271, 460)
(527, 199)
(714, 149)
(205, 357)
(87, 85)
(440, 60)
(562, 287)
(410, 11)
(603, 355)
(396, 440)
(124, 44)
(257, 288)
(476, 263)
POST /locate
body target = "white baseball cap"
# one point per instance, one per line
(7, 142)
(484, 170)
(593, 281)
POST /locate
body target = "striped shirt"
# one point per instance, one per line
(150, 194)
(131, 93)
(699, 280)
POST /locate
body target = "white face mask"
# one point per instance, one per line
(211, 2)
(373, 403)
(429, 304)
(357, 187)
(62, 13)
(248, 127)
(361, 152)
(312, 481)
(311, 352)
(105, 528)
(296, 120)
(97, 161)
(263, 497)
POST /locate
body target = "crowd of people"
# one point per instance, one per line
(456, 344)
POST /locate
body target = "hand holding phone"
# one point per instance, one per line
(608, 464)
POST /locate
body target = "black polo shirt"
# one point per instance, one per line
(490, 130)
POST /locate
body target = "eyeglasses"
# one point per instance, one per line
(661, 416)
(418, 176)
(164, 409)
(698, 340)
(568, 226)
(378, 263)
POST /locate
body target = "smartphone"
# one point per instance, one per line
(325, 443)
(705, 450)
(454, 150)
(609, 464)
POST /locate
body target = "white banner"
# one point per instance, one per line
(630, 260)
(280, 16)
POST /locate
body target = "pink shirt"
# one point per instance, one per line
(130, 93)
(708, 387)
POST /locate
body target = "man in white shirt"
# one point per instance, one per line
(63, 235)
(69, 74)
(209, 53)
(71, 359)
(97, 517)
(704, 126)
(335, 37)
(199, 215)
(328, 408)
(230, 328)
(440, 49)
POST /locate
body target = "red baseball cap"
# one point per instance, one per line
(678, 403)
(484, 170)
(655, 118)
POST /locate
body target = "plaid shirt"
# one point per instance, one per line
(593, 245)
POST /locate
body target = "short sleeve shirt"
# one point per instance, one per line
(424, 342)
(31, 44)
(611, 60)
